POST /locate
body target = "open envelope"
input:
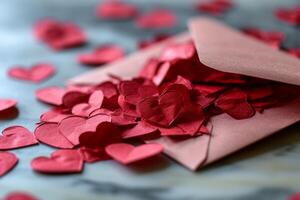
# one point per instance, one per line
(222, 48)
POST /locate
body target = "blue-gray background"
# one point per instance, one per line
(267, 170)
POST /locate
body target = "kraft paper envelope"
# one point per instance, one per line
(222, 48)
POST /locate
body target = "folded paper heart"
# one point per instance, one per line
(61, 161)
(218, 66)
(127, 154)
(7, 162)
(16, 137)
(36, 74)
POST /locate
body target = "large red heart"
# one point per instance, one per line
(16, 137)
(7, 162)
(127, 154)
(61, 161)
(36, 74)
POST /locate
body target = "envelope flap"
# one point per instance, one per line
(225, 49)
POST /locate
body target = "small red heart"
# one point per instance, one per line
(73, 127)
(50, 95)
(36, 74)
(61, 161)
(48, 133)
(127, 154)
(6, 104)
(19, 196)
(160, 18)
(16, 137)
(116, 10)
(7, 162)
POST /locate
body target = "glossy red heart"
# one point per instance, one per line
(36, 74)
(127, 154)
(7, 162)
(15, 137)
(61, 161)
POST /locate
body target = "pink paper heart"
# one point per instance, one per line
(16, 137)
(61, 161)
(7, 162)
(127, 154)
(36, 74)
(48, 133)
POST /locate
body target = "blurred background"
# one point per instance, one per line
(267, 170)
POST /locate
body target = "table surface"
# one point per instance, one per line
(269, 169)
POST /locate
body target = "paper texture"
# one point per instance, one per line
(231, 52)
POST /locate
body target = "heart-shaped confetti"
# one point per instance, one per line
(289, 15)
(19, 196)
(101, 55)
(215, 7)
(116, 10)
(49, 134)
(160, 18)
(59, 35)
(36, 73)
(7, 162)
(50, 95)
(6, 104)
(16, 137)
(127, 154)
(61, 161)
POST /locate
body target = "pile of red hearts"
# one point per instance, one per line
(173, 96)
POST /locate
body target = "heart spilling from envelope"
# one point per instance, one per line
(231, 52)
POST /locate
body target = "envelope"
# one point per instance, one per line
(225, 49)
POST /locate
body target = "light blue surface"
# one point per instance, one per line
(267, 170)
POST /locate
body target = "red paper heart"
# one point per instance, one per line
(290, 16)
(116, 10)
(49, 134)
(101, 55)
(7, 162)
(160, 18)
(92, 155)
(73, 127)
(83, 109)
(6, 104)
(61, 161)
(19, 196)
(294, 52)
(141, 129)
(158, 38)
(215, 7)
(59, 35)
(51, 95)
(105, 133)
(36, 74)
(234, 103)
(273, 38)
(16, 137)
(55, 115)
(127, 154)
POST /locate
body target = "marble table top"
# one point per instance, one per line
(269, 169)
